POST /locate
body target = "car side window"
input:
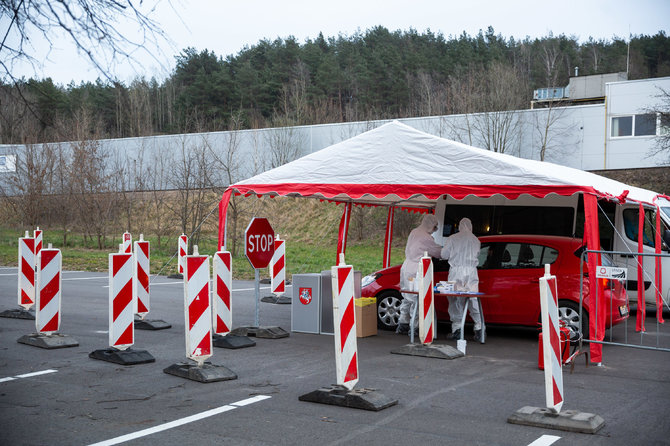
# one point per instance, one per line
(493, 256)
(549, 255)
(535, 256)
(484, 257)
(515, 255)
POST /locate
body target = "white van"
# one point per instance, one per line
(559, 215)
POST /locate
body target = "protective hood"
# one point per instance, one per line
(428, 223)
(465, 225)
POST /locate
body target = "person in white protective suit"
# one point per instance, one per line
(419, 242)
(462, 250)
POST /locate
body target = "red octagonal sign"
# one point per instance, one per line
(259, 243)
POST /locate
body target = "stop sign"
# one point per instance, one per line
(259, 243)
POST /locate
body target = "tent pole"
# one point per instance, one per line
(386, 260)
(344, 230)
(596, 298)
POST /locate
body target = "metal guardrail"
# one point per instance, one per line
(656, 336)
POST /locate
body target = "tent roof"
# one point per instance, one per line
(397, 164)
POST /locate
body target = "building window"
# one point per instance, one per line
(664, 128)
(622, 126)
(634, 125)
(645, 124)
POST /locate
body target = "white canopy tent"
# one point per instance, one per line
(396, 165)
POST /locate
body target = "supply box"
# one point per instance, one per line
(366, 316)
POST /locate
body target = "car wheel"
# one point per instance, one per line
(388, 309)
(568, 312)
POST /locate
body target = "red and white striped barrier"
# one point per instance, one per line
(426, 299)
(344, 318)
(182, 251)
(278, 268)
(141, 276)
(121, 301)
(223, 281)
(553, 371)
(37, 235)
(127, 243)
(197, 308)
(47, 311)
(26, 271)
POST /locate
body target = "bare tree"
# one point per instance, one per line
(191, 178)
(92, 26)
(93, 189)
(227, 169)
(284, 143)
(63, 176)
(429, 96)
(551, 128)
(662, 110)
(139, 108)
(91, 180)
(158, 182)
(27, 188)
(130, 181)
(497, 95)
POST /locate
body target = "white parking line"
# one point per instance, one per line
(11, 274)
(27, 375)
(545, 440)
(43, 372)
(87, 278)
(181, 422)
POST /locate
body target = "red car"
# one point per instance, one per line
(510, 266)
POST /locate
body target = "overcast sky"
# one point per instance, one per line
(225, 27)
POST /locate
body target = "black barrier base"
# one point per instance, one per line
(176, 276)
(151, 324)
(261, 332)
(568, 420)
(52, 341)
(19, 313)
(429, 351)
(206, 374)
(232, 341)
(123, 357)
(366, 399)
(282, 300)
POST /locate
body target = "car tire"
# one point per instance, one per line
(388, 309)
(568, 311)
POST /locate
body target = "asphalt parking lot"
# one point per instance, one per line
(62, 397)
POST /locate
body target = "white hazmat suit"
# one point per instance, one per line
(419, 242)
(462, 250)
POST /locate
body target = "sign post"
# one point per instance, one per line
(278, 274)
(346, 351)
(551, 417)
(222, 303)
(48, 303)
(26, 282)
(198, 325)
(259, 248)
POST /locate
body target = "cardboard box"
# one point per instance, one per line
(366, 316)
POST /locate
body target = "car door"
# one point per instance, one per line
(513, 275)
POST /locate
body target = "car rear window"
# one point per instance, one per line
(509, 255)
